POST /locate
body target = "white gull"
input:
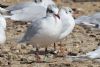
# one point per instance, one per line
(67, 21)
(29, 11)
(68, 24)
(44, 31)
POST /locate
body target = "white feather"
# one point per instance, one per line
(44, 31)
(94, 54)
(2, 29)
(29, 10)
(68, 22)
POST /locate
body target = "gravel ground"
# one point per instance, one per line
(80, 41)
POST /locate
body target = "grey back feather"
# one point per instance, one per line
(31, 32)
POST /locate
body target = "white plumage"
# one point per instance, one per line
(90, 20)
(94, 54)
(29, 10)
(22, 5)
(44, 31)
(68, 22)
(2, 29)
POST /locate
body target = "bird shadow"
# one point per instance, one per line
(42, 52)
(33, 62)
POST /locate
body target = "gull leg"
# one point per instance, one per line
(46, 52)
(46, 55)
(61, 51)
(37, 55)
(55, 49)
(54, 46)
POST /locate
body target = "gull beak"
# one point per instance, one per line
(57, 15)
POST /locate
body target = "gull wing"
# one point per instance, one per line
(82, 19)
(32, 30)
(96, 16)
(19, 6)
(27, 4)
(94, 54)
(29, 13)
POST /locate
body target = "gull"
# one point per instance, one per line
(22, 5)
(45, 31)
(2, 29)
(86, 20)
(94, 54)
(29, 10)
(68, 23)
(90, 20)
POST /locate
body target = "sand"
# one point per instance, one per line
(80, 41)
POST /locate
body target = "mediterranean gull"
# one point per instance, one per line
(68, 23)
(90, 20)
(45, 31)
(94, 54)
(22, 5)
(29, 11)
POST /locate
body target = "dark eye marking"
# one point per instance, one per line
(70, 11)
(50, 11)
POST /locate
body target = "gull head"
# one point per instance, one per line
(53, 9)
(68, 10)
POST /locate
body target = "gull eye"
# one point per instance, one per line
(49, 11)
(70, 11)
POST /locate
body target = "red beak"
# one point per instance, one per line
(57, 15)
